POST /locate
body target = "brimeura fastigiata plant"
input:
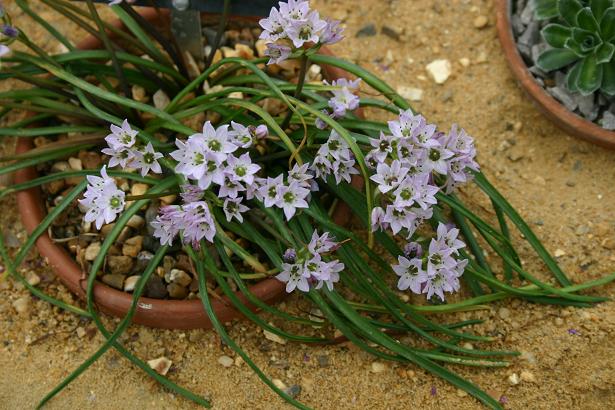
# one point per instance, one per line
(257, 188)
(582, 37)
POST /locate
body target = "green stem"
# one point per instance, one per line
(302, 72)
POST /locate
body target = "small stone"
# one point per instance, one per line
(261, 47)
(90, 160)
(461, 393)
(504, 313)
(558, 322)
(527, 15)
(131, 282)
(323, 360)
(32, 278)
(75, 164)
(439, 70)
(513, 379)
(22, 305)
(139, 94)
(138, 189)
(464, 61)
(177, 291)
(608, 243)
(160, 365)
(226, 361)
(536, 50)
(114, 280)
(515, 155)
(528, 376)
(608, 121)
(279, 384)
(528, 357)
(563, 96)
(132, 246)
(480, 22)
(92, 251)
(392, 32)
(180, 277)
(136, 222)
(168, 199)
(482, 57)
(155, 288)
(368, 30)
(120, 265)
(273, 337)
(80, 332)
(409, 93)
(293, 391)
(559, 253)
(378, 367)
(582, 230)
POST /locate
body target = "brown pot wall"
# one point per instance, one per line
(170, 314)
(550, 107)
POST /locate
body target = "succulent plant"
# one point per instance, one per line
(582, 38)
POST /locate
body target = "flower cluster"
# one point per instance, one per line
(308, 266)
(125, 152)
(410, 163)
(192, 220)
(294, 24)
(102, 200)
(207, 158)
(335, 157)
(434, 273)
(343, 100)
(289, 194)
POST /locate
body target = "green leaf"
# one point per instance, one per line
(604, 53)
(607, 25)
(590, 76)
(608, 78)
(556, 58)
(599, 7)
(556, 35)
(569, 9)
(573, 46)
(587, 21)
(544, 9)
(573, 75)
(586, 40)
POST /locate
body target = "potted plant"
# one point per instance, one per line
(560, 51)
(240, 173)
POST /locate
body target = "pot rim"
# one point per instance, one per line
(550, 107)
(158, 313)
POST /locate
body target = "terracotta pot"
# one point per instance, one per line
(171, 314)
(551, 108)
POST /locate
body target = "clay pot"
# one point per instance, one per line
(550, 107)
(170, 314)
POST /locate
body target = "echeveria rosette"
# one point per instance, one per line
(583, 38)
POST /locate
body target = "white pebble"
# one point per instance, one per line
(513, 379)
(527, 376)
(161, 100)
(464, 61)
(161, 365)
(75, 164)
(439, 70)
(279, 384)
(273, 337)
(378, 367)
(410, 93)
(504, 313)
(131, 282)
(22, 305)
(226, 361)
(559, 252)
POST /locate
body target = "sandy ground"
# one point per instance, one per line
(562, 186)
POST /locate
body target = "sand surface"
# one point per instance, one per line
(562, 186)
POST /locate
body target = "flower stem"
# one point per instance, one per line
(221, 27)
(150, 196)
(302, 71)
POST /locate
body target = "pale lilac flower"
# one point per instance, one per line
(243, 136)
(321, 166)
(306, 30)
(233, 208)
(448, 237)
(377, 219)
(294, 277)
(329, 273)
(436, 159)
(336, 147)
(121, 156)
(332, 33)
(9, 31)
(299, 173)
(273, 26)
(439, 283)
(411, 274)
(440, 258)
(343, 99)
(400, 218)
(413, 250)
(321, 243)
(405, 125)
(383, 146)
(230, 188)
(277, 53)
(168, 224)
(294, 9)
(343, 170)
(146, 160)
(292, 197)
(241, 169)
(415, 189)
(290, 255)
(198, 223)
(103, 200)
(217, 140)
(388, 177)
(121, 137)
(4, 50)
(191, 193)
(270, 192)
